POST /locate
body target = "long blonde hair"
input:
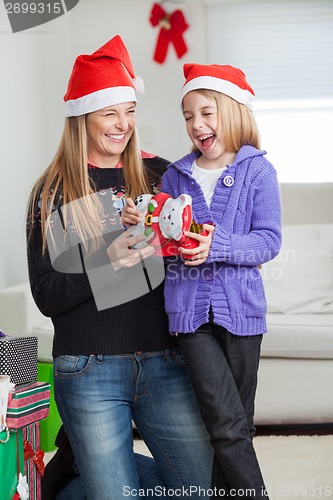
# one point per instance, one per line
(66, 179)
(238, 123)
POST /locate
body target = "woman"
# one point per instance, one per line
(114, 361)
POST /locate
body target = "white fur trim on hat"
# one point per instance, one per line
(242, 96)
(139, 84)
(99, 100)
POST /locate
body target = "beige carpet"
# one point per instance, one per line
(297, 466)
(294, 467)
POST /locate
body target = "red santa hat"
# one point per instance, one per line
(225, 79)
(102, 79)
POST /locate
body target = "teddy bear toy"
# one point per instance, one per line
(164, 222)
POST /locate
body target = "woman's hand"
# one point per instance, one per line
(129, 214)
(199, 254)
(122, 255)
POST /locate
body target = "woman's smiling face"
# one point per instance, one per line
(109, 131)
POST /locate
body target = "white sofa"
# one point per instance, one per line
(296, 369)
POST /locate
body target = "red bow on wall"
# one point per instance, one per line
(172, 28)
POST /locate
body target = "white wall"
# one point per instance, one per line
(160, 122)
(30, 65)
(35, 67)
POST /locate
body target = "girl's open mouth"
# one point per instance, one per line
(206, 140)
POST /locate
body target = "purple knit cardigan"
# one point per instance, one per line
(246, 212)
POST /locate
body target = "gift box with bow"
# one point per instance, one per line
(33, 460)
(11, 462)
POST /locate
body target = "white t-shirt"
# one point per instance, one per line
(206, 179)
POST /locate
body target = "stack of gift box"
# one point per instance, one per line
(23, 403)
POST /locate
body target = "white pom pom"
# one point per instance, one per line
(139, 85)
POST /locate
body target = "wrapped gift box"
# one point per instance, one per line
(28, 404)
(11, 461)
(33, 460)
(50, 426)
(19, 358)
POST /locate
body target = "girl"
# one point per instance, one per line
(217, 310)
(111, 364)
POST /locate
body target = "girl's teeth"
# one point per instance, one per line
(207, 140)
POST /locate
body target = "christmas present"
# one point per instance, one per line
(33, 460)
(19, 358)
(5, 387)
(28, 404)
(50, 426)
(11, 462)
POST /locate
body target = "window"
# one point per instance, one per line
(286, 50)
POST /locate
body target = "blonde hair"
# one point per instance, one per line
(66, 179)
(236, 120)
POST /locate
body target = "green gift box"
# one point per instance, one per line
(11, 462)
(50, 426)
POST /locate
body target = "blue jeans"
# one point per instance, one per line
(149, 475)
(223, 369)
(99, 396)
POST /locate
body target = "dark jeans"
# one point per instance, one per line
(223, 369)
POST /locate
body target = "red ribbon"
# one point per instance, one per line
(172, 28)
(37, 456)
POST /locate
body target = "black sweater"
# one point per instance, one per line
(80, 328)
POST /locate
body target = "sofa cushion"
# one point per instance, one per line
(18, 311)
(300, 279)
(20, 317)
(303, 336)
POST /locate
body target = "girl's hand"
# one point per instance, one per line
(199, 254)
(129, 214)
(122, 255)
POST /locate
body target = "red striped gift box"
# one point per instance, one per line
(28, 404)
